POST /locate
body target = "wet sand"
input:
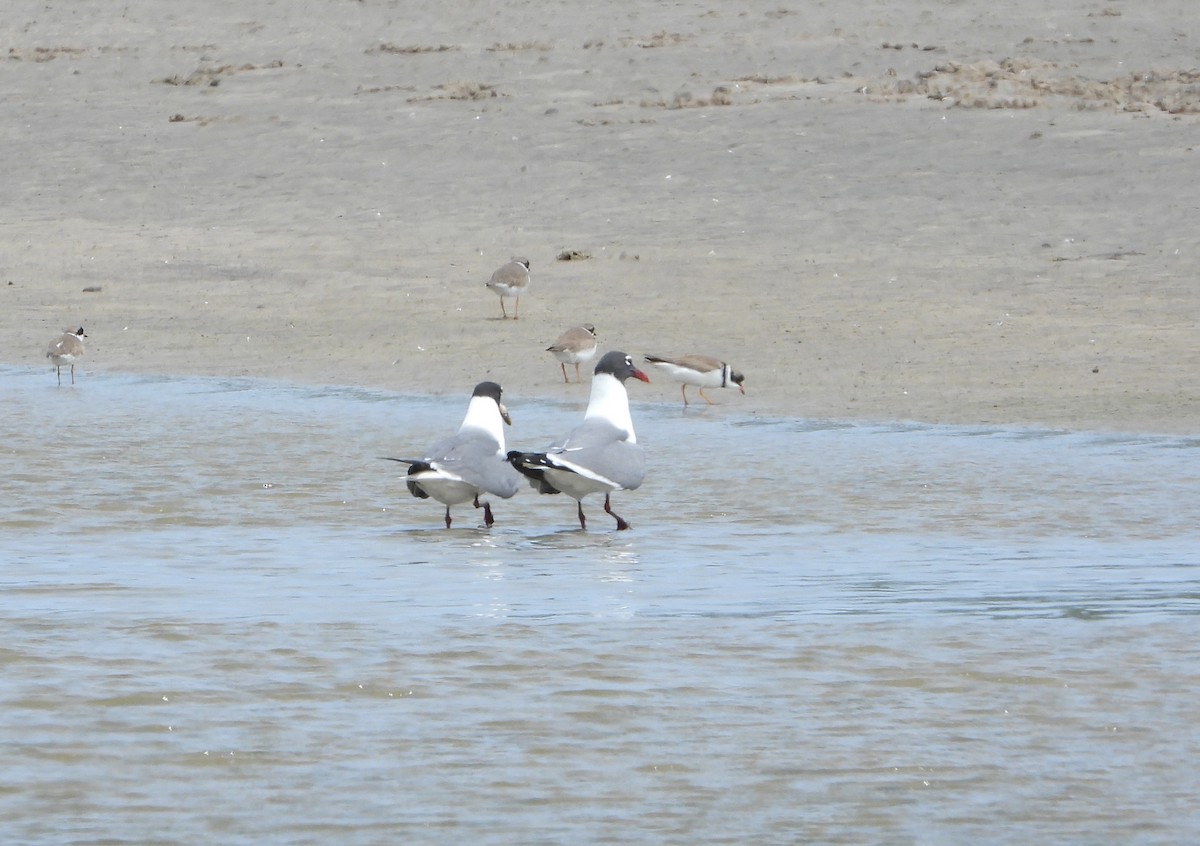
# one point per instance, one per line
(960, 214)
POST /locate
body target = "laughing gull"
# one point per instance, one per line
(65, 349)
(601, 454)
(511, 280)
(470, 463)
(575, 346)
(704, 371)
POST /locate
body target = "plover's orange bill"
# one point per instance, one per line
(511, 280)
(575, 346)
(703, 371)
(466, 465)
(601, 454)
(67, 348)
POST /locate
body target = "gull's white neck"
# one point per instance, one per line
(610, 401)
(483, 413)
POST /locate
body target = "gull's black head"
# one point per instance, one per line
(619, 365)
(492, 391)
(487, 389)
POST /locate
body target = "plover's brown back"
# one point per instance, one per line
(66, 349)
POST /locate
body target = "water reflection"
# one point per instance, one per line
(817, 631)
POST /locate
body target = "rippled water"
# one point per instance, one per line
(224, 621)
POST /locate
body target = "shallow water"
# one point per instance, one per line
(223, 620)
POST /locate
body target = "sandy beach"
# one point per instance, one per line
(967, 212)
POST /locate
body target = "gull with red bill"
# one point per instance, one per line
(601, 454)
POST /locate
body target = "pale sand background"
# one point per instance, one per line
(317, 191)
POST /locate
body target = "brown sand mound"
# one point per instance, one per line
(1024, 83)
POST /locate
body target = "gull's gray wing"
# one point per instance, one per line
(599, 450)
(473, 456)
